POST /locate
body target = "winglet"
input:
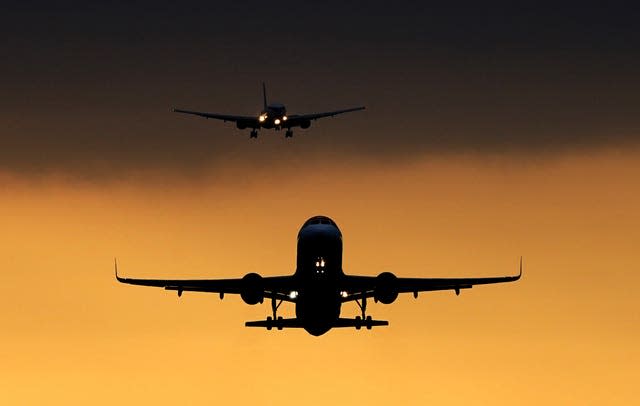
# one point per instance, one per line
(520, 274)
(115, 265)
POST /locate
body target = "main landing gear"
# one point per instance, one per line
(253, 134)
(364, 320)
(275, 320)
(289, 133)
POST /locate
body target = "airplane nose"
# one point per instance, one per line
(319, 232)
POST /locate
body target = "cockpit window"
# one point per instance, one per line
(319, 220)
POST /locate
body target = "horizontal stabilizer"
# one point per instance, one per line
(280, 323)
(358, 323)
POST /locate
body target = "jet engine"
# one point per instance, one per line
(241, 125)
(252, 289)
(386, 291)
(305, 124)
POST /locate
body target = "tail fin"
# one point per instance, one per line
(264, 95)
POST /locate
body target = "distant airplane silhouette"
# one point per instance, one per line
(273, 115)
(319, 287)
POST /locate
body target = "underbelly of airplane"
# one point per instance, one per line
(318, 311)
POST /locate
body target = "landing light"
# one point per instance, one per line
(262, 117)
(277, 121)
(284, 118)
(293, 294)
(344, 293)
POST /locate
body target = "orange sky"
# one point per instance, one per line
(566, 333)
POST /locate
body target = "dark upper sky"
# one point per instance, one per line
(86, 90)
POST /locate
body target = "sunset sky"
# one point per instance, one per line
(490, 133)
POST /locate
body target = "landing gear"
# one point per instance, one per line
(367, 322)
(254, 133)
(274, 308)
(273, 321)
(288, 134)
(364, 319)
(362, 303)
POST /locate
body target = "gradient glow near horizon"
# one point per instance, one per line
(518, 135)
(565, 333)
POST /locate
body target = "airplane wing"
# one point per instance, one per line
(277, 287)
(359, 286)
(248, 120)
(295, 119)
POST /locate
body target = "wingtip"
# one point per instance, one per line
(520, 273)
(115, 268)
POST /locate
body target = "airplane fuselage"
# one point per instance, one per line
(318, 272)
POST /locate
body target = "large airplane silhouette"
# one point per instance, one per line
(319, 286)
(273, 116)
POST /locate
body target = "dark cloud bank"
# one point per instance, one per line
(87, 92)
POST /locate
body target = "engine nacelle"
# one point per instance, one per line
(386, 291)
(241, 125)
(252, 289)
(305, 124)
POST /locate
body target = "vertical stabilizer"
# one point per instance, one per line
(264, 95)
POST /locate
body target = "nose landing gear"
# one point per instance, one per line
(288, 134)
(253, 134)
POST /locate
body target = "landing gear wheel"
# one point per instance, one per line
(369, 323)
(280, 323)
(269, 323)
(253, 134)
(288, 134)
(358, 322)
